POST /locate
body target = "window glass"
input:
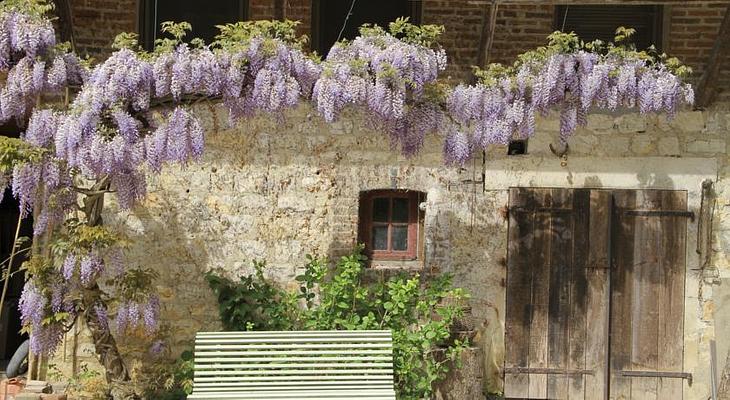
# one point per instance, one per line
(400, 238)
(333, 13)
(400, 209)
(380, 237)
(381, 207)
(202, 15)
(593, 22)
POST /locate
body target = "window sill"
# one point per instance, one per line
(396, 265)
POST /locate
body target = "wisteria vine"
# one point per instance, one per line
(133, 114)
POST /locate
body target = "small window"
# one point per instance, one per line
(390, 224)
(593, 22)
(330, 18)
(202, 15)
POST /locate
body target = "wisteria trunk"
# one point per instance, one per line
(105, 345)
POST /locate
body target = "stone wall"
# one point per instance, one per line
(278, 191)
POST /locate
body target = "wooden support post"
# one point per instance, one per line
(708, 84)
(65, 22)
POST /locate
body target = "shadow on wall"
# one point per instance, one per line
(173, 241)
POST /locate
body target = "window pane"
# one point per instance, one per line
(333, 13)
(380, 237)
(202, 15)
(593, 22)
(400, 209)
(380, 209)
(400, 238)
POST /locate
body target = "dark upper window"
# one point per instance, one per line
(329, 18)
(390, 224)
(202, 15)
(592, 22)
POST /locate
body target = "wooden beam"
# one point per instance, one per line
(707, 87)
(486, 37)
(65, 22)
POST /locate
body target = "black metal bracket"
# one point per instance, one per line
(541, 210)
(661, 213)
(548, 371)
(659, 374)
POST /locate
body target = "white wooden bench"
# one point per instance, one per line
(310, 365)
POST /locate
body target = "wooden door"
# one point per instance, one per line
(647, 294)
(577, 301)
(557, 294)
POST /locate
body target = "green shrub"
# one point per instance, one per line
(169, 381)
(420, 315)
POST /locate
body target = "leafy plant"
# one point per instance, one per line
(171, 381)
(420, 315)
(253, 303)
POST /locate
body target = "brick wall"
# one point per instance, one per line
(97, 22)
(692, 28)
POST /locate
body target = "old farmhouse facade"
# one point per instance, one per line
(597, 271)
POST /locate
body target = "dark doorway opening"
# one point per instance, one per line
(10, 336)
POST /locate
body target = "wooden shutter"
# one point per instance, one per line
(557, 303)
(647, 294)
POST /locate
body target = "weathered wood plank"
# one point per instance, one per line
(578, 293)
(671, 295)
(540, 269)
(622, 280)
(519, 282)
(597, 295)
(561, 232)
(644, 305)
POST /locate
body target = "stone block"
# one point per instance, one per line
(668, 146)
(632, 123)
(706, 146)
(28, 396)
(642, 145)
(689, 121)
(54, 396)
(616, 146)
(601, 123)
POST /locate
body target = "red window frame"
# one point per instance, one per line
(367, 223)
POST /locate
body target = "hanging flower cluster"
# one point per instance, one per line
(563, 77)
(389, 78)
(38, 302)
(45, 180)
(132, 315)
(33, 63)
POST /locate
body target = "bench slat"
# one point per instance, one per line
(224, 367)
(268, 372)
(294, 346)
(313, 339)
(327, 394)
(294, 378)
(273, 354)
(253, 386)
(295, 333)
